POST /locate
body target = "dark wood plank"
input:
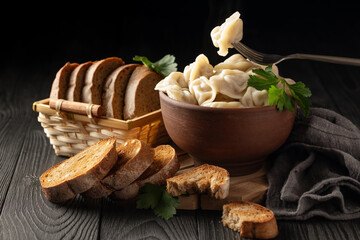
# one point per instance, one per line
(15, 110)
(27, 214)
(121, 220)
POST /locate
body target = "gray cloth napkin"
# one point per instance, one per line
(317, 171)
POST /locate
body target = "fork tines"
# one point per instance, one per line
(249, 53)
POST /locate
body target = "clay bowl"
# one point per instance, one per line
(238, 139)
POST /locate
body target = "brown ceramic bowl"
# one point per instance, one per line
(238, 139)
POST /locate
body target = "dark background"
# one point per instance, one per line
(36, 37)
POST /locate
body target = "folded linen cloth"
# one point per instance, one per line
(317, 171)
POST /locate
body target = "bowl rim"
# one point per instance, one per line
(190, 106)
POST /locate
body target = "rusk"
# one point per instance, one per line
(165, 165)
(209, 179)
(135, 156)
(79, 173)
(250, 219)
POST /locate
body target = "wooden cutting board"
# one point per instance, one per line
(250, 188)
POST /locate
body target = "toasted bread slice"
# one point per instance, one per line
(114, 90)
(209, 179)
(76, 82)
(60, 83)
(95, 77)
(79, 173)
(250, 219)
(165, 165)
(140, 95)
(135, 156)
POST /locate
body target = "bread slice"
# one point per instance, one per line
(76, 82)
(114, 90)
(209, 179)
(250, 219)
(95, 77)
(79, 173)
(60, 83)
(165, 165)
(141, 96)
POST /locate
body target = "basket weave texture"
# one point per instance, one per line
(70, 133)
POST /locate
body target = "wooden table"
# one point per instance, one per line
(25, 153)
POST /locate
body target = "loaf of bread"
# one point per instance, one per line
(250, 219)
(209, 179)
(76, 82)
(60, 83)
(124, 91)
(114, 90)
(79, 173)
(165, 165)
(140, 96)
(95, 77)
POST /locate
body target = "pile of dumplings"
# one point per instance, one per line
(224, 85)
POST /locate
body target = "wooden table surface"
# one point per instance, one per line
(25, 153)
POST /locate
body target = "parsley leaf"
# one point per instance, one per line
(267, 80)
(149, 196)
(158, 199)
(164, 66)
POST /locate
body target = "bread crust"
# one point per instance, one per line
(141, 96)
(60, 83)
(95, 77)
(59, 190)
(250, 219)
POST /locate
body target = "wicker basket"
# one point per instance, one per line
(69, 133)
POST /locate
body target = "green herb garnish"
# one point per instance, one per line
(164, 66)
(267, 80)
(158, 199)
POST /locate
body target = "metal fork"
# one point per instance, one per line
(268, 59)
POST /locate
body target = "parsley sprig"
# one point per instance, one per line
(164, 66)
(158, 199)
(267, 80)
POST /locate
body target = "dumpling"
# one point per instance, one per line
(236, 61)
(253, 97)
(201, 67)
(203, 91)
(230, 31)
(175, 79)
(182, 95)
(233, 104)
(230, 82)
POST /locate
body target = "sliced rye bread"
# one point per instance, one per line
(114, 90)
(165, 165)
(209, 179)
(76, 82)
(95, 77)
(79, 173)
(141, 96)
(134, 157)
(250, 219)
(60, 83)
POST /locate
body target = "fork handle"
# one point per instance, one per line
(322, 58)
